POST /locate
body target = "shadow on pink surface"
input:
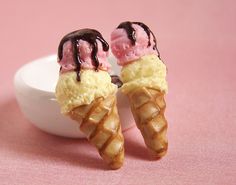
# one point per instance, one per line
(21, 138)
(18, 137)
(134, 148)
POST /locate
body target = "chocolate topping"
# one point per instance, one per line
(116, 80)
(89, 35)
(127, 26)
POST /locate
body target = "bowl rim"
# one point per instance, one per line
(20, 82)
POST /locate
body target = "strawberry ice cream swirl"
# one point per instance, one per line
(130, 45)
(83, 49)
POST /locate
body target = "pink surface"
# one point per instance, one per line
(197, 42)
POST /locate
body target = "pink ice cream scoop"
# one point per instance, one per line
(83, 49)
(132, 40)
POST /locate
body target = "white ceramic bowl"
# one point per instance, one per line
(34, 88)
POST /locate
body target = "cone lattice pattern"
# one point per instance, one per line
(148, 107)
(99, 121)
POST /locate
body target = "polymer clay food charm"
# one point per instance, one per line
(143, 75)
(86, 94)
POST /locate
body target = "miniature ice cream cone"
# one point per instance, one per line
(86, 93)
(143, 75)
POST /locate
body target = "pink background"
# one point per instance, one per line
(197, 42)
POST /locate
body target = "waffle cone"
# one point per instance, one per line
(148, 107)
(99, 121)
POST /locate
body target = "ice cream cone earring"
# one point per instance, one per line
(143, 76)
(86, 94)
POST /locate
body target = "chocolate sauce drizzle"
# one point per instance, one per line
(115, 79)
(127, 26)
(89, 35)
